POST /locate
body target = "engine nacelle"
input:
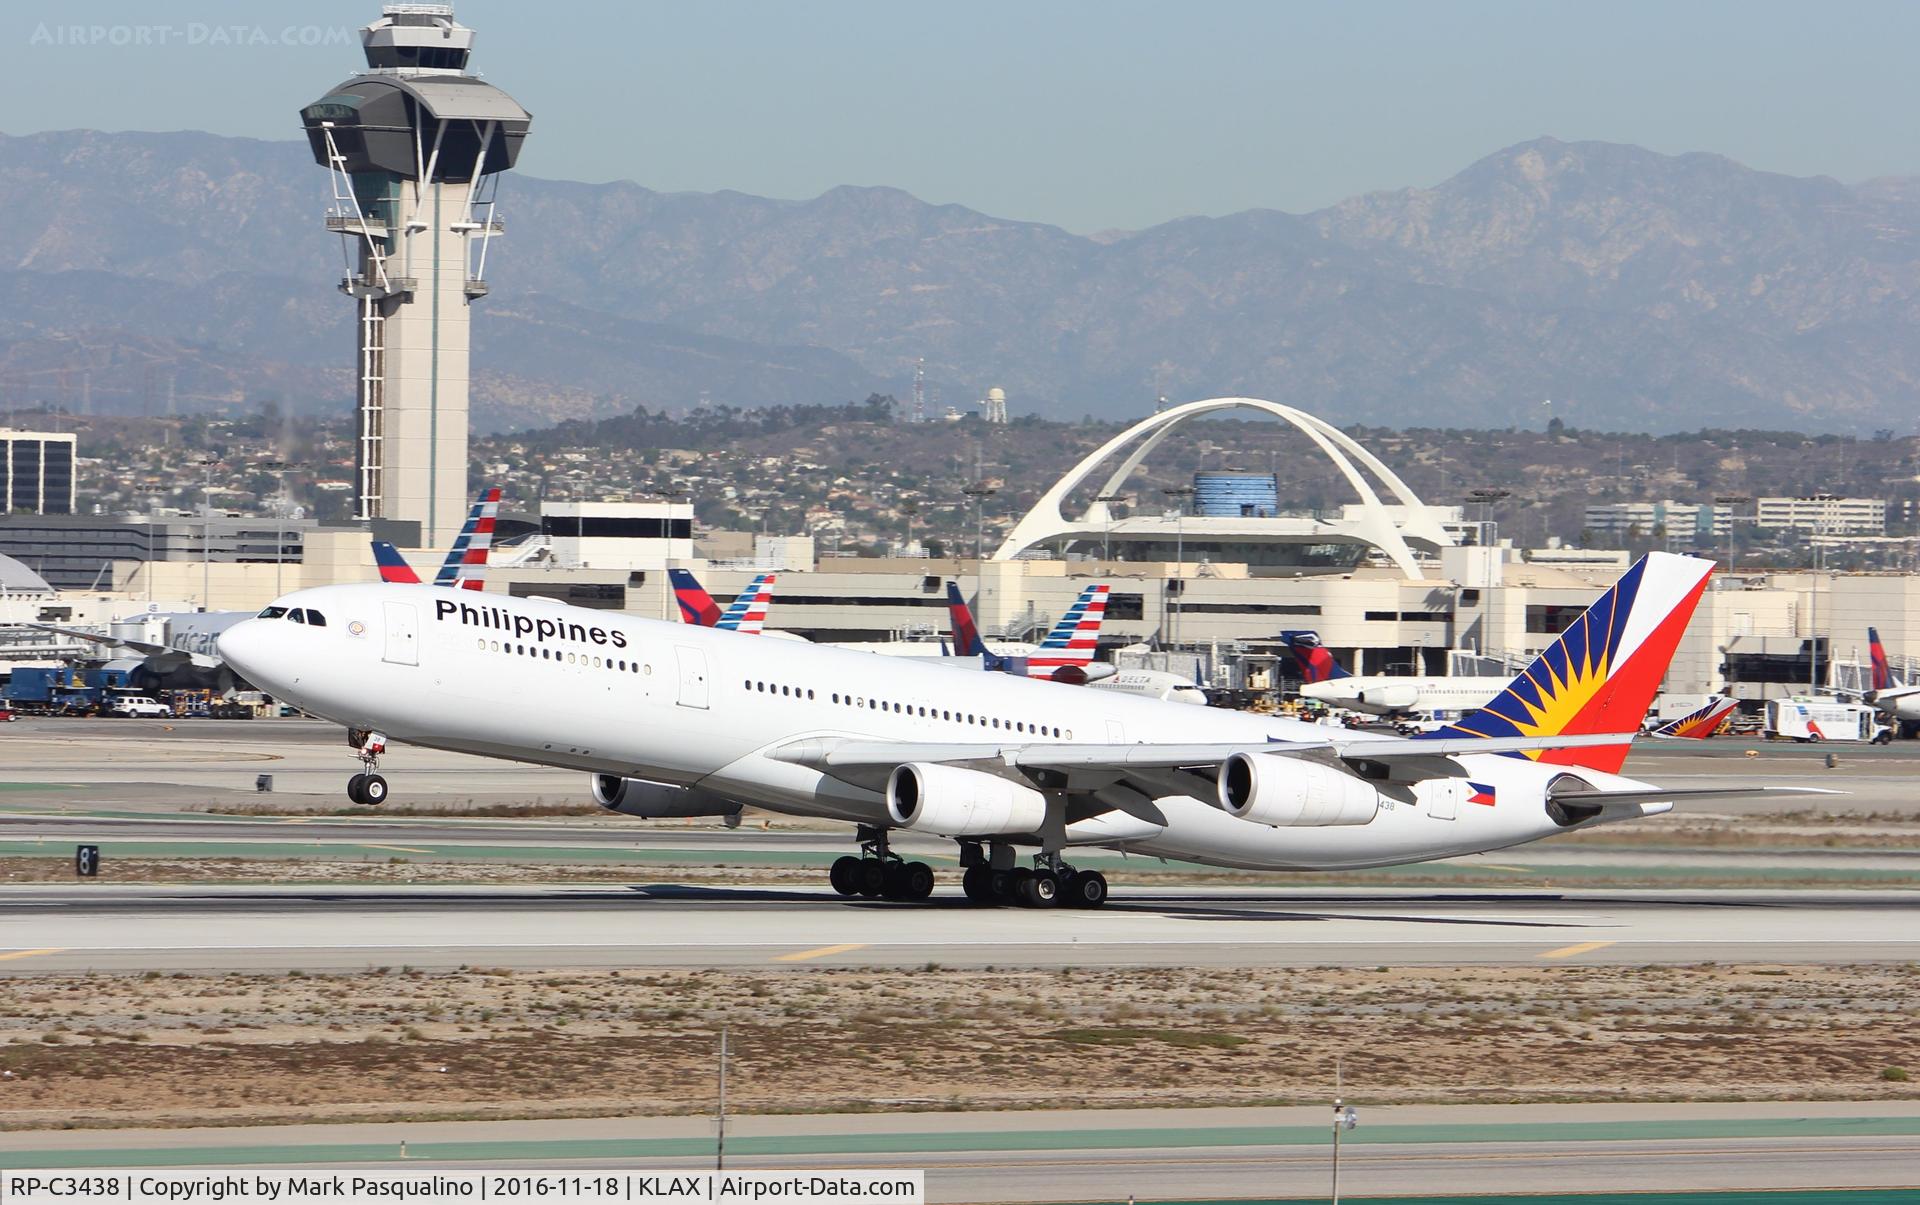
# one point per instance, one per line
(927, 797)
(658, 800)
(1390, 698)
(1268, 788)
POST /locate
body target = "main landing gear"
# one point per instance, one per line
(878, 872)
(369, 787)
(992, 878)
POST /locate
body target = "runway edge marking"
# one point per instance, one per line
(1585, 947)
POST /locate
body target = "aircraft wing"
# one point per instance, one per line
(1890, 694)
(867, 763)
(159, 652)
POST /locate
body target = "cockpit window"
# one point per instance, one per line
(272, 613)
(315, 619)
(297, 615)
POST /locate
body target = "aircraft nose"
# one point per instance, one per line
(241, 646)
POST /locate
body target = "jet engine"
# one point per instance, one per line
(931, 798)
(1267, 788)
(657, 800)
(1390, 698)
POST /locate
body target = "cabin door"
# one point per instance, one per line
(403, 633)
(693, 676)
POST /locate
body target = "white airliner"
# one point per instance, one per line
(1325, 680)
(673, 720)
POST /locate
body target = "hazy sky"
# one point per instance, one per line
(1091, 115)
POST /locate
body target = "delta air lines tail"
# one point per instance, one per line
(1316, 664)
(1877, 652)
(1602, 673)
(966, 635)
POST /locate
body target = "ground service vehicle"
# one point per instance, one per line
(1804, 718)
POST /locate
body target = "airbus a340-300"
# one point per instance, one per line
(674, 720)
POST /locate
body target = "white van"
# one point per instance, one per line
(1803, 718)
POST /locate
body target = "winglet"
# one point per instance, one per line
(1601, 674)
(1701, 723)
(393, 566)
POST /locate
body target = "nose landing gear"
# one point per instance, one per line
(878, 872)
(369, 787)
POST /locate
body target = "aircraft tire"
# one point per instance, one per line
(872, 879)
(977, 884)
(896, 881)
(1016, 892)
(373, 791)
(917, 881)
(845, 875)
(999, 886)
(1041, 889)
(1087, 889)
(355, 786)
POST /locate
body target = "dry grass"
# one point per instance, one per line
(203, 1049)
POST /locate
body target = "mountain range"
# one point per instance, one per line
(1635, 290)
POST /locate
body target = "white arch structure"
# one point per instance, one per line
(1392, 530)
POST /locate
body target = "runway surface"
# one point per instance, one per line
(1113, 1154)
(109, 927)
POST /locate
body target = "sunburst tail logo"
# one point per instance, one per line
(1602, 672)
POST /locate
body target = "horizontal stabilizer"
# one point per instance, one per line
(1680, 794)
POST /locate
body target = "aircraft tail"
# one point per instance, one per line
(1075, 636)
(1315, 663)
(468, 556)
(1877, 652)
(1601, 674)
(1700, 724)
(393, 566)
(748, 612)
(696, 605)
(966, 636)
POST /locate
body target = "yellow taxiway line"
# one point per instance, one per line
(12, 954)
(822, 952)
(1585, 947)
(405, 849)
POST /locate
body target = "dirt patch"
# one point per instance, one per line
(93, 1050)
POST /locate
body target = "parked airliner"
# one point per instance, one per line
(669, 719)
(1325, 680)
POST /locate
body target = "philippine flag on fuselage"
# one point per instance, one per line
(1480, 792)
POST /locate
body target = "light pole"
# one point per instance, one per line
(1106, 502)
(206, 531)
(279, 469)
(1344, 1119)
(978, 493)
(1179, 495)
(1730, 501)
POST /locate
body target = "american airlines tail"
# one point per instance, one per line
(1600, 676)
(1075, 637)
(469, 553)
(1700, 724)
(748, 612)
(1316, 664)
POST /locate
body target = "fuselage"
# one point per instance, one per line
(601, 692)
(1380, 694)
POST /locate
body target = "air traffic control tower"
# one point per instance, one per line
(415, 145)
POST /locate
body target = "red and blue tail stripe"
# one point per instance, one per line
(469, 553)
(966, 636)
(748, 612)
(1882, 672)
(1076, 636)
